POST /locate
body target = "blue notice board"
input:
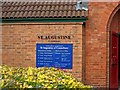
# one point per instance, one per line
(54, 55)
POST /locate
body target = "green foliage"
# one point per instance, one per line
(38, 78)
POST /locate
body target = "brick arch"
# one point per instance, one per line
(97, 40)
(112, 17)
(112, 26)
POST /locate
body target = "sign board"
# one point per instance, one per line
(54, 55)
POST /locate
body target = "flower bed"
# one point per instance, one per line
(38, 78)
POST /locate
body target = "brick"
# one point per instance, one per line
(19, 43)
(91, 45)
(96, 44)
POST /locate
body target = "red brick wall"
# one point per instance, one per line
(19, 43)
(91, 65)
(97, 44)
